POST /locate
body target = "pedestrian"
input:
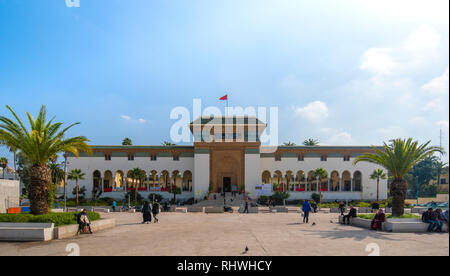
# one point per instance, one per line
(114, 204)
(246, 206)
(342, 207)
(155, 210)
(146, 213)
(306, 210)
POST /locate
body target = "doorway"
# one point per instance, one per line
(227, 184)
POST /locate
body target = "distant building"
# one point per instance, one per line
(229, 158)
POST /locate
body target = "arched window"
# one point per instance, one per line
(346, 178)
(335, 182)
(357, 179)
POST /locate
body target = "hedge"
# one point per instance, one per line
(59, 219)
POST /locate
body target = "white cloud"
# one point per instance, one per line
(378, 61)
(438, 86)
(443, 124)
(337, 137)
(422, 40)
(131, 120)
(434, 106)
(392, 132)
(314, 111)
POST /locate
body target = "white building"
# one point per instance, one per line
(237, 163)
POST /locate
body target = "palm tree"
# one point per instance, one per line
(289, 144)
(398, 158)
(4, 164)
(321, 174)
(168, 144)
(440, 166)
(137, 175)
(76, 174)
(311, 142)
(57, 172)
(378, 174)
(44, 140)
(127, 142)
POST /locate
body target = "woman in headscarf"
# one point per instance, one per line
(147, 213)
(378, 220)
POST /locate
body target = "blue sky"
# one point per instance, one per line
(349, 72)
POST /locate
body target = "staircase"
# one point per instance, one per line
(232, 201)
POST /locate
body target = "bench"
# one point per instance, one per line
(409, 226)
(419, 210)
(101, 210)
(337, 210)
(251, 210)
(181, 210)
(364, 210)
(26, 232)
(195, 209)
(359, 222)
(279, 209)
(214, 210)
(68, 231)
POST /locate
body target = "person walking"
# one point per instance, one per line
(146, 213)
(155, 211)
(114, 204)
(306, 210)
(246, 206)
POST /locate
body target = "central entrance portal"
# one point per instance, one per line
(227, 184)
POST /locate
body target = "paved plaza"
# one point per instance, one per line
(265, 234)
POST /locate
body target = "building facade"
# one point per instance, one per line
(227, 156)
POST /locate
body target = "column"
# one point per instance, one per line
(317, 185)
(125, 184)
(306, 185)
(102, 185)
(329, 184)
(353, 185)
(341, 181)
(148, 183)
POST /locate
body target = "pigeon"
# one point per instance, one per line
(314, 224)
(245, 250)
(331, 221)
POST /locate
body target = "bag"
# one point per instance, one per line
(86, 229)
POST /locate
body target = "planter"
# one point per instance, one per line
(26, 232)
(69, 231)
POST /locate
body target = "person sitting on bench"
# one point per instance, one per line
(351, 214)
(84, 222)
(430, 218)
(379, 219)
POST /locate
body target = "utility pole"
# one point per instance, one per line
(417, 197)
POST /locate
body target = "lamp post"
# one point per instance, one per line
(417, 196)
(65, 180)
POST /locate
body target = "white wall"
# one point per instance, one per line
(9, 194)
(201, 175)
(252, 173)
(369, 187)
(90, 164)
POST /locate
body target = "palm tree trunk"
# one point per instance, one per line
(399, 188)
(378, 189)
(76, 189)
(40, 179)
(135, 191)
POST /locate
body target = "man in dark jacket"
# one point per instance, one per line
(351, 214)
(155, 210)
(431, 218)
(83, 221)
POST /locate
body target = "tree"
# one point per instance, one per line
(44, 140)
(4, 164)
(168, 144)
(321, 174)
(56, 172)
(76, 174)
(378, 174)
(137, 175)
(127, 142)
(398, 158)
(289, 144)
(440, 166)
(311, 142)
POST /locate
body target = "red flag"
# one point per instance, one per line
(224, 98)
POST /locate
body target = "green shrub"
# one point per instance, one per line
(279, 197)
(158, 197)
(388, 216)
(315, 197)
(59, 219)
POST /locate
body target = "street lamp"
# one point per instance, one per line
(65, 180)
